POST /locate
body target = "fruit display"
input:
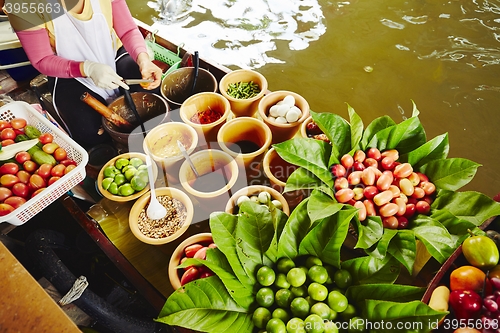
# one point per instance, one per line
(38, 162)
(126, 176)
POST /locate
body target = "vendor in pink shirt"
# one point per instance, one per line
(83, 45)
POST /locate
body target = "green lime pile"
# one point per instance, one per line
(125, 177)
(303, 296)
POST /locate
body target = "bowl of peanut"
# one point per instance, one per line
(180, 212)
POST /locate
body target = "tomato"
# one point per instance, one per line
(22, 157)
(18, 123)
(7, 142)
(4, 124)
(37, 192)
(69, 168)
(50, 147)
(44, 170)
(4, 193)
(46, 138)
(24, 176)
(8, 180)
(30, 166)
(52, 180)
(36, 182)
(15, 202)
(60, 154)
(19, 131)
(21, 190)
(67, 162)
(7, 133)
(58, 170)
(467, 278)
(9, 168)
(5, 209)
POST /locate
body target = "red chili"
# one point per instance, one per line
(206, 116)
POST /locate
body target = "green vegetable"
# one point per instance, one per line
(480, 251)
(32, 132)
(21, 137)
(243, 90)
(40, 157)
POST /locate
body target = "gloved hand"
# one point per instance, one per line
(103, 75)
(149, 71)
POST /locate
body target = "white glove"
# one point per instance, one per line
(103, 75)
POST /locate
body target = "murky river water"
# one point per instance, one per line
(377, 56)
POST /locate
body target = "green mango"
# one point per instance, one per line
(480, 252)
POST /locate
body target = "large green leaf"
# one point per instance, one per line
(325, 239)
(384, 292)
(312, 155)
(321, 205)
(457, 227)
(254, 234)
(405, 136)
(223, 226)
(434, 236)
(337, 129)
(279, 221)
(369, 231)
(435, 149)
(217, 263)
(356, 128)
(205, 305)
(471, 206)
(373, 128)
(379, 250)
(450, 174)
(367, 270)
(403, 247)
(302, 179)
(404, 317)
(296, 228)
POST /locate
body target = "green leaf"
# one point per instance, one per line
(217, 263)
(279, 221)
(456, 227)
(374, 127)
(369, 231)
(223, 226)
(403, 247)
(356, 128)
(367, 270)
(310, 154)
(412, 316)
(296, 228)
(450, 174)
(326, 238)
(254, 234)
(336, 128)
(434, 236)
(384, 292)
(380, 248)
(303, 179)
(321, 205)
(471, 206)
(405, 136)
(435, 149)
(205, 305)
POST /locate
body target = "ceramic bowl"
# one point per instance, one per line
(120, 198)
(255, 190)
(142, 203)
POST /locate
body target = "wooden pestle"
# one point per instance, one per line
(106, 112)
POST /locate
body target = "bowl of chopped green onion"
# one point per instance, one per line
(244, 89)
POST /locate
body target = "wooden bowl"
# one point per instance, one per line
(253, 190)
(120, 198)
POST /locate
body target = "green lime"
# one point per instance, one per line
(113, 189)
(342, 278)
(143, 174)
(130, 173)
(121, 162)
(331, 327)
(283, 298)
(125, 190)
(137, 183)
(142, 167)
(300, 307)
(356, 325)
(106, 182)
(119, 179)
(281, 281)
(136, 162)
(265, 297)
(348, 313)
(322, 310)
(295, 325)
(285, 264)
(299, 291)
(296, 277)
(281, 314)
(266, 276)
(275, 325)
(314, 324)
(333, 314)
(317, 274)
(125, 168)
(260, 317)
(318, 292)
(313, 261)
(337, 301)
(110, 171)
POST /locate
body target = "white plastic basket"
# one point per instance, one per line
(75, 152)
